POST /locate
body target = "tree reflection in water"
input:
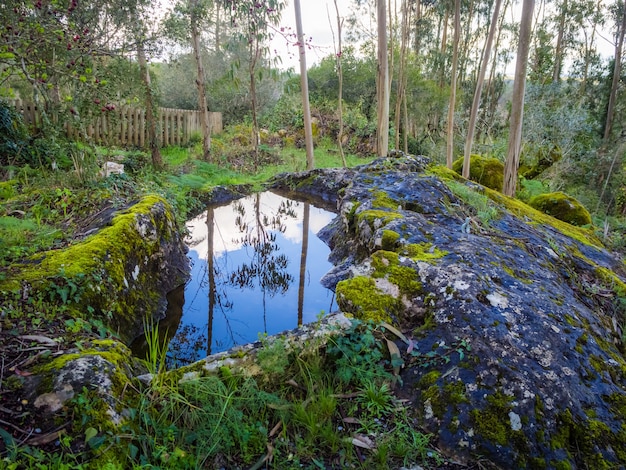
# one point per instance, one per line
(244, 265)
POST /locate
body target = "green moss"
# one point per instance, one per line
(484, 170)
(360, 297)
(581, 342)
(386, 265)
(422, 251)
(580, 438)
(429, 378)
(389, 239)
(562, 207)
(493, 423)
(382, 200)
(370, 216)
(537, 463)
(522, 210)
(100, 267)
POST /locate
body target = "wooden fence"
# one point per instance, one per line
(125, 126)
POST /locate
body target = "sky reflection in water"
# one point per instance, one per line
(257, 285)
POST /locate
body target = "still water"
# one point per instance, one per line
(256, 267)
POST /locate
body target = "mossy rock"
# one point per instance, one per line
(563, 207)
(545, 159)
(484, 170)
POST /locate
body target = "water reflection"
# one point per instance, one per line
(256, 266)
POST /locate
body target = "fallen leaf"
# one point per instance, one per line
(39, 339)
(394, 353)
(46, 438)
(350, 420)
(395, 331)
(361, 440)
(22, 373)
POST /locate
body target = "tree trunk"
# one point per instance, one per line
(511, 164)
(304, 86)
(471, 127)
(338, 54)
(382, 83)
(402, 79)
(200, 83)
(253, 103)
(558, 52)
(455, 63)
(153, 140)
(617, 69)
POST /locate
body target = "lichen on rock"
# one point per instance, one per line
(517, 323)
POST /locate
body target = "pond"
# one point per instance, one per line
(256, 266)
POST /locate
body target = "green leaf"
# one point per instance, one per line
(90, 433)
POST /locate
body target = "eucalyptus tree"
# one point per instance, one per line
(339, 65)
(382, 82)
(514, 148)
(620, 13)
(304, 87)
(254, 22)
(471, 127)
(453, 82)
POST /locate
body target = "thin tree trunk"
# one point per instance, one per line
(304, 86)
(382, 136)
(338, 54)
(405, 11)
(442, 51)
(153, 140)
(455, 63)
(471, 127)
(558, 52)
(253, 103)
(200, 84)
(617, 69)
(511, 164)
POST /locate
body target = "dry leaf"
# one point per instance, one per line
(39, 339)
(361, 440)
(350, 420)
(394, 352)
(395, 331)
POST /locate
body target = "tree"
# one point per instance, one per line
(617, 67)
(254, 20)
(339, 63)
(304, 88)
(382, 83)
(514, 148)
(455, 64)
(471, 127)
(184, 25)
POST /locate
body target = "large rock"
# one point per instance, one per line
(513, 318)
(120, 273)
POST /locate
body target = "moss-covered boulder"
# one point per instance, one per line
(120, 274)
(563, 207)
(513, 319)
(484, 170)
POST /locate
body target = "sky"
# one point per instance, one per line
(315, 25)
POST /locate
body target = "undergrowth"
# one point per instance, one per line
(313, 413)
